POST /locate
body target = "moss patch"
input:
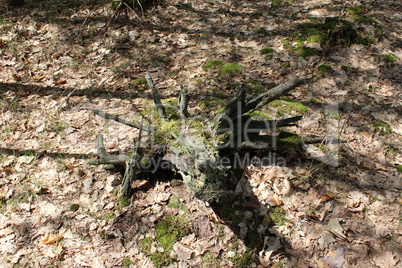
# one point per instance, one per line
(389, 57)
(212, 64)
(287, 106)
(315, 100)
(399, 168)
(324, 68)
(381, 128)
(355, 10)
(126, 262)
(124, 201)
(254, 87)
(175, 203)
(231, 69)
(140, 83)
(267, 50)
(74, 207)
(303, 51)
(333, 31)
(168, 231)
(288, 141)
(277, 216)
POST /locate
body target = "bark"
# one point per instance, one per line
(196, 157)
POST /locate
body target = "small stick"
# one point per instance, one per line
(106, 115)
(156, 96)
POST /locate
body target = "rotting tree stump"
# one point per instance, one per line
(203, 150)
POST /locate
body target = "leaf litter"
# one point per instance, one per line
(343, 216)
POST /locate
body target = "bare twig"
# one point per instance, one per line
(106, 115)
(156, 96)
(184, 98)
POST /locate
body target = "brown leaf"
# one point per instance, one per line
(17, 77)
(51, 238)
(274, 200)
(60, 82)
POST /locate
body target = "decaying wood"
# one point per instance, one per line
(155, 95)
(198, 159)
(258, 102)
(129, 174)
(106, 158)
(184, 98)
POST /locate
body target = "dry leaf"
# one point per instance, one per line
(274, 200)
(51, 238)
(335, 228)
(17, 77)
(60, 82)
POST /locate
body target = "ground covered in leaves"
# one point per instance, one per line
(329, 205)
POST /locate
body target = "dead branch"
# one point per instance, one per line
(156, 96)
(106, 115)
(184, 98)
(261, 100)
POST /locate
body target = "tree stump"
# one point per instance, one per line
(202, 151)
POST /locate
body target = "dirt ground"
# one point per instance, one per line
(332, 205)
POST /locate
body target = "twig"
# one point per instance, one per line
(130, 167)
(74, 89)
(156, 96)
(106, 115)
(184, 98)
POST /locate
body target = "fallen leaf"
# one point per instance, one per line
(51, 238)
(60, 82)
(17, 77)
(274, 200)
(335, 228)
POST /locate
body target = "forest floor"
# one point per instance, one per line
(331, 205)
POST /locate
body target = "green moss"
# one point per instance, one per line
(288, 141)
(109, 215)
(209, 260)
(381, 128)
(348, 69)
(287, 105)
(175, 203)
(139, 83)
(259, 114)
(146, 245)
(212, 64)
(304, 51)
(267, 50)
(364, 40)
(231, 69)
(165, 130)
(254, 87)
(315, 100)
(126, 262)
(399, 168)
(215, 103)
(269, 57)
(365, 19)
(260, 31)
(277, 216)
(168, 231)
(124, 201)
(389, 57)
(355, 10)
(324, 68)
(74, 207)
(243, 260)
(115, 192)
